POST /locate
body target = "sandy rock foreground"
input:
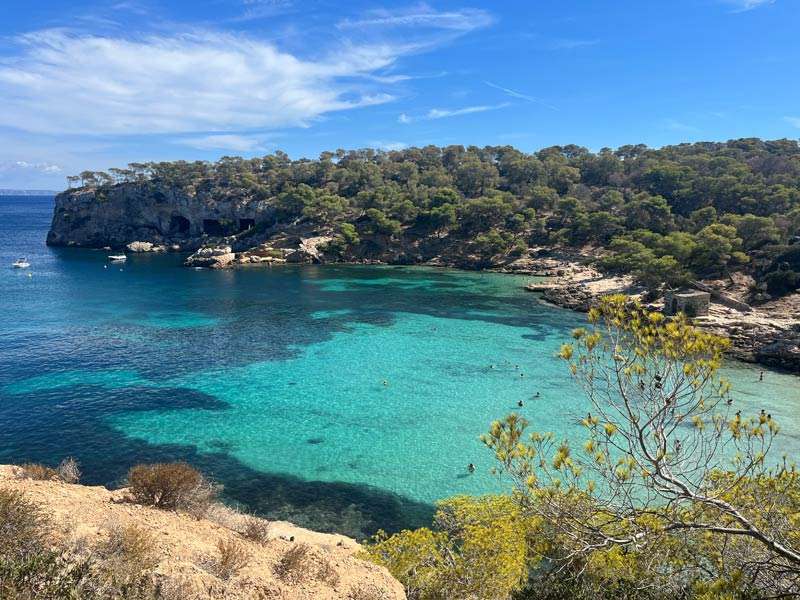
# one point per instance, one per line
(186, 547)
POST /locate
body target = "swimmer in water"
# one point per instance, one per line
(471, 468)
(520, 404)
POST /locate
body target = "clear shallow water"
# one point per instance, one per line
(273, 380)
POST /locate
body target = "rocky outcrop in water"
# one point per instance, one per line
(145, 247)
(211, 257)
(309, 250)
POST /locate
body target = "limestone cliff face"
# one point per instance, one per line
(150, 213)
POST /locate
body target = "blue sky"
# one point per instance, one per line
(90, 84)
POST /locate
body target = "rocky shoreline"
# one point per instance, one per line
(768, 334)
(166, 220)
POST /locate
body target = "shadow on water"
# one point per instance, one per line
(256, 315)
(43, 427)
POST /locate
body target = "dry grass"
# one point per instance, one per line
(256, 530)
(132, 547)
(326, 573)
(24, 527)
(39, 472)
(175, 486)
(69, 471)
(301, 562)
(174, 588)
(367, 592)
(232, 558)
(291, 568)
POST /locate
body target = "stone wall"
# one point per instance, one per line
(692, 303)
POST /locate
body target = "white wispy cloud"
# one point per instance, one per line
(237, 143)
(398, 78)
(388, 145)
(22, 165)
(421, 16)
(675, 125)
(260, 9)
(570, 44)
(61, 82)
(444, 113)
(795, 121)
(745, 5)
(520, 95)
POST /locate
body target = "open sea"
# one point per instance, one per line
(344, 398)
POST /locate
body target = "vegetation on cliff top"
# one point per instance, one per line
(670, 495)
(667, 215)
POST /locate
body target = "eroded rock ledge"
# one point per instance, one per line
(185, 546)
(767, 334)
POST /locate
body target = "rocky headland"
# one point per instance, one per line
(767, 333)
(221, 232)
(184, 557)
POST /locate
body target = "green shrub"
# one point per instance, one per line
(782, 282)
(23, 526)
(47, 575)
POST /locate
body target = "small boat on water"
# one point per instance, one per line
(21, 263)
(117, 258)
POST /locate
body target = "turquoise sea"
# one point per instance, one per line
(340, 397)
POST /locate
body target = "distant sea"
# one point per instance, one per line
(20, 193)
(339, 397)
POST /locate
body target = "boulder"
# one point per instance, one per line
(782, 352)
(309, 250)
(212, 257)
(145, 247)
(140, 247)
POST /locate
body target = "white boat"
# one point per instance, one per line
(21, 263)
(117, 257)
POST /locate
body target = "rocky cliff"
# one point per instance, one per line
(161, 215)
(225, 231)
(184, 551)
(228, 230)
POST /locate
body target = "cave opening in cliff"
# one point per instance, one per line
(245, 224)
(179, 225)
(213, 227)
